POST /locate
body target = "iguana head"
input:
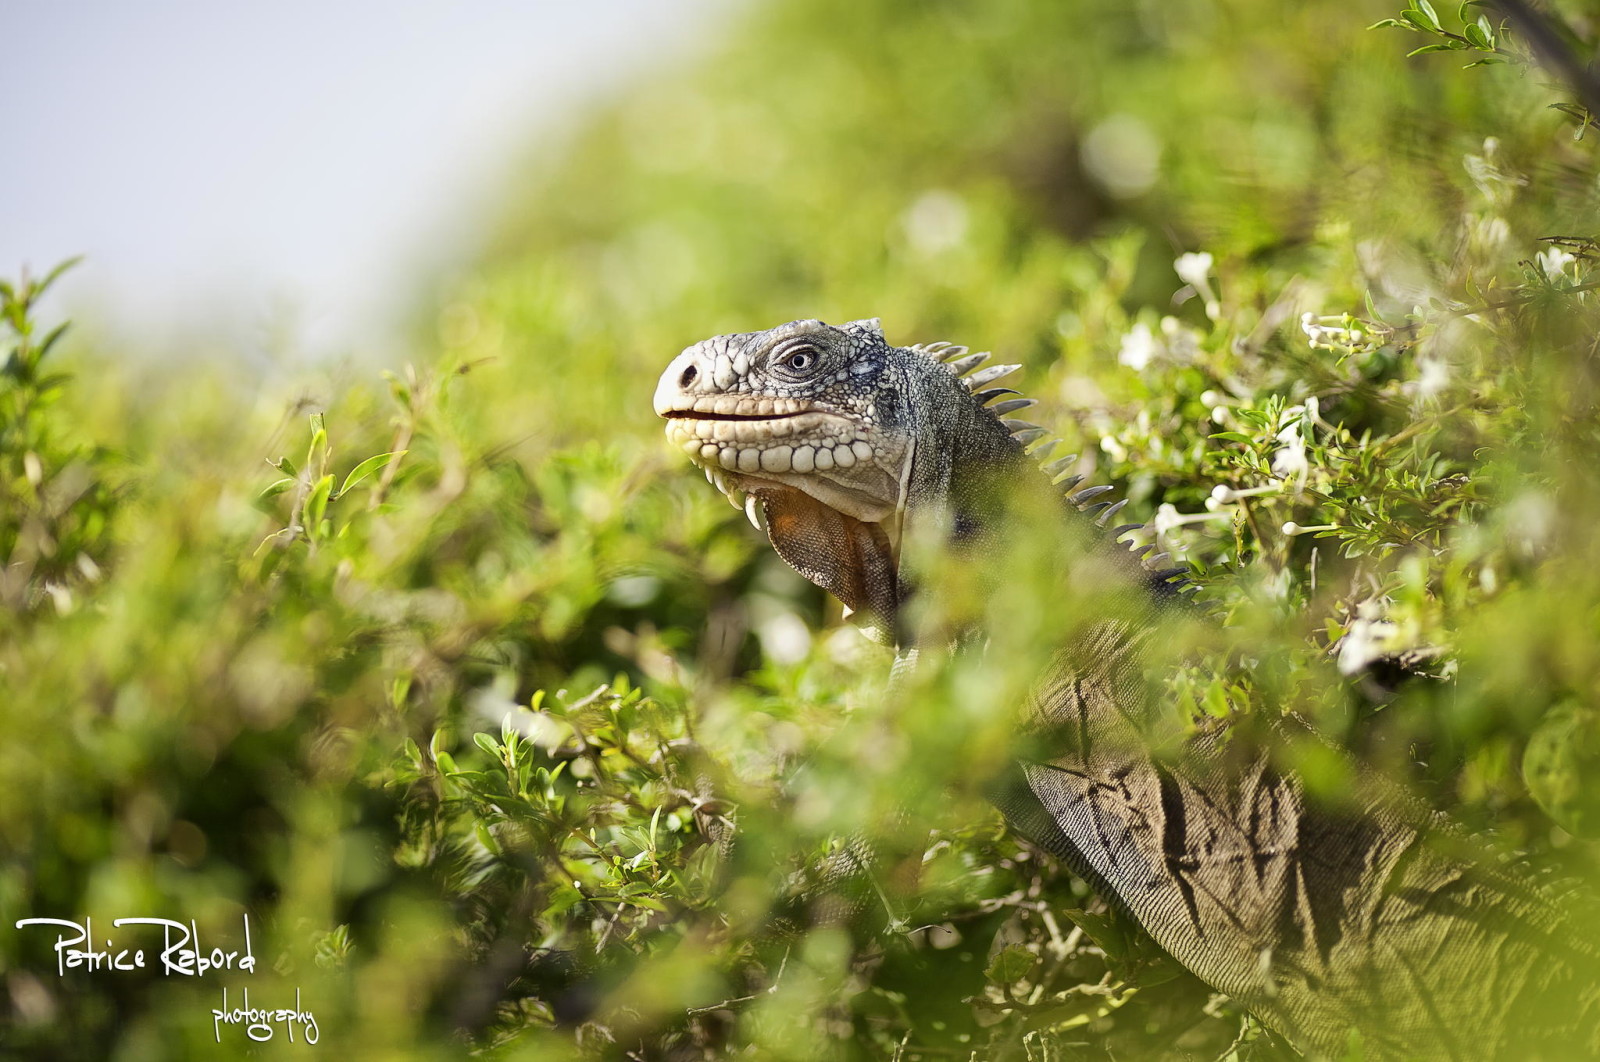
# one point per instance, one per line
(833, 438)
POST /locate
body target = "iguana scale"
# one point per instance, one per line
(1356, 923)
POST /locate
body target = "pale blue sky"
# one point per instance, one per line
(288, 163)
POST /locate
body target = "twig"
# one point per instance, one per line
(1417, 427)
(1553, 51)
(769, 990)
(1520, 300)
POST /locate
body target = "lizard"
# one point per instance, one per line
(1359, 921)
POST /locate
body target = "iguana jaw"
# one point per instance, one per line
(838, 526)
(822, 454)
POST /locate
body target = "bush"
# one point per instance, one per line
(507, 734)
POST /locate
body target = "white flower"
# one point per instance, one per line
(1338, 332)
(1139, 347)
(1531, 520)
(784, 638)
(1314, 331)
(1194, 268)
(936, 222)
(1292, 529)
(1435, 376)
(1167, 518)
(1222, 494)
(1554, 262)
(1492, 233)
(1290, 460)
(1367, 640)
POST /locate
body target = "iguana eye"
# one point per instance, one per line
(799, 361)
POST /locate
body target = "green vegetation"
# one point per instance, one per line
(509, 734)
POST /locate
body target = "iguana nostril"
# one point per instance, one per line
(687, 378)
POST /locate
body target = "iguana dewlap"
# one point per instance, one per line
(1326, 923)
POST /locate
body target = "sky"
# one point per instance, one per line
(292, 168)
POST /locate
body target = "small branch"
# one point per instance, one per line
(402, 442)
(769, 990)
(1417, 427)
(1553, 51)
(1520, 300)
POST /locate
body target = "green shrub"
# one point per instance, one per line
(508, 734)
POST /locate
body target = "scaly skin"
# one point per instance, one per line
(1364, 919)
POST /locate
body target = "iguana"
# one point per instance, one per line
(1357, 923)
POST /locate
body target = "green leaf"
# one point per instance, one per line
(1427, 12)
(367, 468)
(49, 341)
(1452, 46)
(487, 744)
(317, 503)
(1011, 963)
(487, 838)
(319, 443)
(271, 491)
(1104, 930)
(1560, 755)
(51, 277)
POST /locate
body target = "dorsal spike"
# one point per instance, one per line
(951, 351)
(1122, 529)
(932, 348)
(962, 366)
(1168, 573)
(1152, 560)
(1013, 425)
(1097, 510)
(1088, 494)
(1071, 481)
(1046, 450)
(989, 375)
(1111, 510)
(983, 398)
(1060, 465)
(1028, 435)
(1011, 405)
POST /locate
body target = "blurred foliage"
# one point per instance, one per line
(509, 735)
(56, 489)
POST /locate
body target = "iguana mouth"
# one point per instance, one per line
(802, 442)
(689, 414)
